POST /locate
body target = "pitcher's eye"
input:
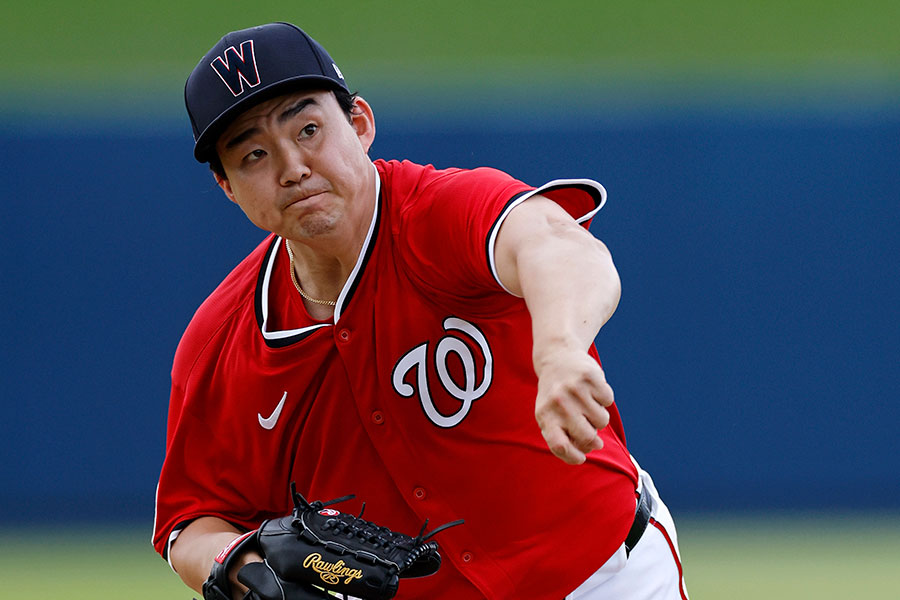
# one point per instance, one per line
(309, 131)
(255, 155)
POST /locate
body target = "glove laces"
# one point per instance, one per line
(368, 532)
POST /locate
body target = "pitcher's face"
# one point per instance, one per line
(297, 165)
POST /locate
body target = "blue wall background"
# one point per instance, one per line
(755, 352)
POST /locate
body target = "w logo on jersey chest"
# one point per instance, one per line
(471, 348)
(237, 67)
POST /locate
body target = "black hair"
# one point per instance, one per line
(344, 99)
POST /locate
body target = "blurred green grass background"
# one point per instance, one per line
(104, 40)
(118, 57)
(130, 59)
(764, 556)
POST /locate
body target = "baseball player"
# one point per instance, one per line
(419, 337)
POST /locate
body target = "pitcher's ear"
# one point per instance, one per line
(363, 120)
(225, 185)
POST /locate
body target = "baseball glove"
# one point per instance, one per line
(317, 550)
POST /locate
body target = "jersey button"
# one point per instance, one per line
(377, 417)
(419, 493)
(344, 335)
(467, 557)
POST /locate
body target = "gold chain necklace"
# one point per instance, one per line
(297, 283)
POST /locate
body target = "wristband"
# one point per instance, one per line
(218, 586)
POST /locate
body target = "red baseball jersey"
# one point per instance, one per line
(417, 397)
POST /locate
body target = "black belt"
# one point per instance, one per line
(641, 519)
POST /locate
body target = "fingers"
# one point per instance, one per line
(572, 441)
(571, 415)
(602, 392)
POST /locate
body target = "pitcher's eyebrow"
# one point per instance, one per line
(284, 116)
(241, 137)
(296, 109)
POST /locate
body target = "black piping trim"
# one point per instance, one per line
(273, 247)
(369, 249)
(258, 304)
(592, 191)
(500, 218)
(596, 195)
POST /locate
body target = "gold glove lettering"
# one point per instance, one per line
(331, 573)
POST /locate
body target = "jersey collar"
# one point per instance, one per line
(278, 339)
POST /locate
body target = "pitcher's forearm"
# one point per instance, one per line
(196, 547)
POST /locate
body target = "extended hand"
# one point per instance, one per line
(571, 404)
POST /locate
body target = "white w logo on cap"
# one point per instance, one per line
(237, 68)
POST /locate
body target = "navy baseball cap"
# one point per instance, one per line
(247, 67)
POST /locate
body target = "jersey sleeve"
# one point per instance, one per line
(204, 459)
(450, 224)
(581, 198)
(208, 470)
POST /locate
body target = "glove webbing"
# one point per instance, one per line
(370, 533)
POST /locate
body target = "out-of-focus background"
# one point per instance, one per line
(752, 156)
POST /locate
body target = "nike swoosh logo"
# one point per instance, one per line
(269, 422)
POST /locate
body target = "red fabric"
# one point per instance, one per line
(423, 317)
